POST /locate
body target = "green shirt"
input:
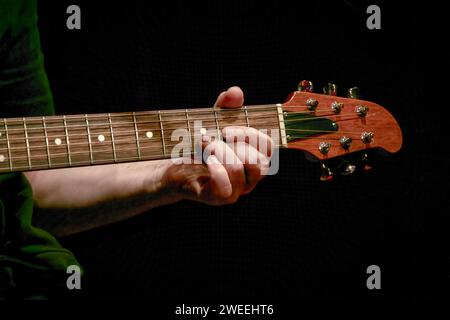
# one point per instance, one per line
(32, 262)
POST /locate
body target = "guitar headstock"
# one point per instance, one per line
(327, 126)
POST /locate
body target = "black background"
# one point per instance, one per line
(293, 237)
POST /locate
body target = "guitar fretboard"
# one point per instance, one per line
(35, 143)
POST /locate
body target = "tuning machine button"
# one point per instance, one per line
(336, 107)
(311, 104)
(330, 89)
(326, 173)
(345, 142)
(305, 86)
(362, 110)
(353, 93)
(324, 147)
(367, 137)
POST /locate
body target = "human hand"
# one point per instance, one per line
(230, 169)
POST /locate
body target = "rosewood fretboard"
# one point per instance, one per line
(35, 143)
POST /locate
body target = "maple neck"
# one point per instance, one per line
(36, 143)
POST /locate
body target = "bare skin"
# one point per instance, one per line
(78, 199)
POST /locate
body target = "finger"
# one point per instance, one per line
(220, 182)
(255, 163)
(256, 138)
(231, 163)
(232, 98)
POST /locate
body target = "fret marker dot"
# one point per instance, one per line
(149, 134)
(203, 131)
(2, 158)
(0, 134)
(58, 141)
(101, 138)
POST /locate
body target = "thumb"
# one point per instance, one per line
(232, 98)
(187, 179)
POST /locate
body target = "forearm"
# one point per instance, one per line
(76, 199)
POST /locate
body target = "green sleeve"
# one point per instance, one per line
(32, 262)
(24, 87)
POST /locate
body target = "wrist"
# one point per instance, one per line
(158, 181)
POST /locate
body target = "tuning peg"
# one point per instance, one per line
(326, 173)
(353, 93)
(330, 89)
(311, 104)
(347, 168)
(305, 86)
(367, 137)
(345, 142)
(324, 147)
(365, 162)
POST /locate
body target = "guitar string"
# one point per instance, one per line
(81, 118)
(83, 127)
(98, 161)
(87, 162)
(106, 124)
(107, 149)
(84, 135)
(110, 159)
(185, 120)
(191, 112)
(117, 141)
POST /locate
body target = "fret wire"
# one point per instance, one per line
(246, 116)
(219, 133)
(8, 144)
(67, 140)
(27, 142)
(189, 129)
(162, 133)
(112, 137)
(89, 138)
(46, 143)
(137, 135)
